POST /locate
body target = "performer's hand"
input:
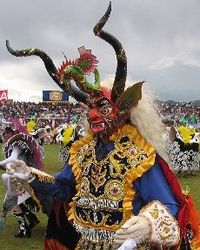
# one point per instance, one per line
(9, 169)
(18, 170)
(137, 228)
(21, 177)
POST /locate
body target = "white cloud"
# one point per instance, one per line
(182, 59)
(21, 81)
(164, 63)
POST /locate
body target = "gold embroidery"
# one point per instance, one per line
(85, 187)
(98, 174)
(42, 176)
(131, 157)
(96, 222)
(114, 190)
(115, 167)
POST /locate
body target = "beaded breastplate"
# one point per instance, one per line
(104, 188)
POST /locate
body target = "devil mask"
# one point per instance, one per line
(106, 108)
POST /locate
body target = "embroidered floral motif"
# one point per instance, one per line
(114, 190)
(164, 227)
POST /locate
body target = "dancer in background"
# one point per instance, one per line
(20, 146)
(184, 149)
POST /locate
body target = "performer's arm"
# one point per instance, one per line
(153, 186)
(62, 187)
(155, 208)
(14, 155)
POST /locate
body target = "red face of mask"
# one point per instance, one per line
(102, 115)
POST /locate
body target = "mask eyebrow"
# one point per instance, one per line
(103, 102)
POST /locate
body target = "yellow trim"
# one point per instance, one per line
(134, 173)
(131, 175)
(73, 161)
(42, 176)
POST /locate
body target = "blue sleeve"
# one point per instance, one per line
(153, 186)
(63, 189)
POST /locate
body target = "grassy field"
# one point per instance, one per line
(7, 239)
(52, 165)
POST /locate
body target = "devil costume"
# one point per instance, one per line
(20, 146)
(115, 185)
(184, 150)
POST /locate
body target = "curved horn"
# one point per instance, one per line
(49, 65)
(51, 69)
(121, 71)
(79, 95)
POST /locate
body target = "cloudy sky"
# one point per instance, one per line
(161, 39)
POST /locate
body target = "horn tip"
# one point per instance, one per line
(109, 7)
(8, 45)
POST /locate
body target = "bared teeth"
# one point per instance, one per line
(95, 125)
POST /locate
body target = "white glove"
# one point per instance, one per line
(18, 170)
(9, 169)
(21, 176)
(128, 244)
(136, 228)
(164, 227)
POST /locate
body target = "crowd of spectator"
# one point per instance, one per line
(54, 114)
(177, 111)
(45, 113)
